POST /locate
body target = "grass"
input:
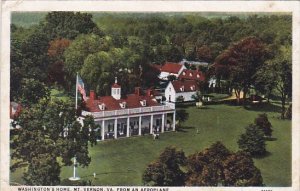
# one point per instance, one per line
(122, 161)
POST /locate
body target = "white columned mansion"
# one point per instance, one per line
(129, 115)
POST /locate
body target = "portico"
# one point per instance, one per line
(136, 125)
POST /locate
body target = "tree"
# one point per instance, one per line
(281, 68)
(241, 61)
(217, 165)
(239, 170)
(204, 53)
(56, 50)
(79, 49)
(69, 25)
(252, 141)
(166, 170)
(50, 136)
(206, 168)
(181, 116)
(31, 92)
(264, 124)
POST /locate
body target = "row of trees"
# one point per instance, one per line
(65, 43)
(214, 166)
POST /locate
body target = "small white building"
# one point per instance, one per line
(129, 115)
(182, 90)
(170, 68)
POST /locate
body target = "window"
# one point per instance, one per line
(123, 105)
(191, 74)
(182, 88)
(198, 76)
(102, 106)
(143, 102)
(169, 89)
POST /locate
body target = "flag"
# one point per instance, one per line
(80, 86)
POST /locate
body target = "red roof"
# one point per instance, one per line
(116, 85)
(192, 75)
(171, 67)
(185, 86)
(131, 100)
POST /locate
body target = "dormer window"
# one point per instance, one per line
(198, 76)
(191, 74)
(183, 73)
(102, 106)
(123, 105)
(182, 88)
(143, 102)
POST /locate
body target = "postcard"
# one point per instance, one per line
(149, 95)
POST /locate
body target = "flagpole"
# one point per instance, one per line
(74, 178)
(76, 91)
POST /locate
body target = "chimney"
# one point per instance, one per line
(92, 95)
(149, 92)
(137, 91)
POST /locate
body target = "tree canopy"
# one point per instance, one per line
(49, 131)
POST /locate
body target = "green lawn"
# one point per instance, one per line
(122, 161)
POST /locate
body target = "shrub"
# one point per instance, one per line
(252, 141)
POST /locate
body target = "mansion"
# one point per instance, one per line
(133, 114)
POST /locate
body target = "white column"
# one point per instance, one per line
(116, 128)
(102, 129)
(151, 124)
(140, 125)
(163, 123)
(174, 120)
(128, 123)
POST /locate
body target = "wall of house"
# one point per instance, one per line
(170, 91)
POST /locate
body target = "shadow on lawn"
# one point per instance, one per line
(265, 107)
(184, 129)
(267, 154)
(114, 172)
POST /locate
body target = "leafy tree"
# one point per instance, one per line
(181, 116)
(150, 75)
(96, 72)
(206, 168)
(264, 124)
(50, 136)
(241, 61)
(69, 25)
(32, 91)
(79, 49)
(41, 165)
(252, 141)
(204, 53)
(166, 170)
(56, 50)
(239, 170)
(281, 68)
